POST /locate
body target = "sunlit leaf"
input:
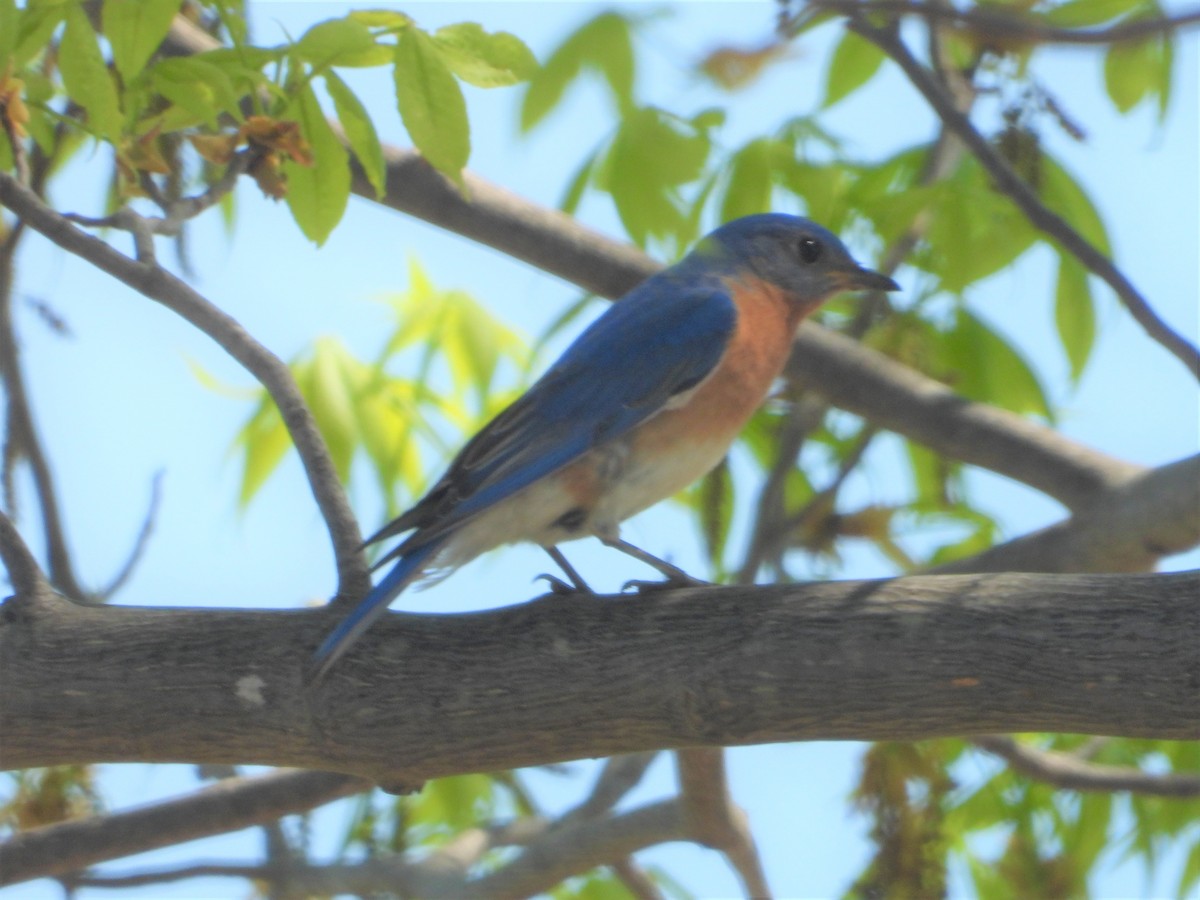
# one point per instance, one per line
(86, 76)
(317, 194)
(855, 62)
(988, 368)
(431, 104)
(264, 441)
(135, 29)
(449, 805)
(1135, 70)
(360, 131)
(1074, 314)
(750, 179)
(1063, 194)
(199, 86)
(603, 44)
(337, 42)
(1084, 13)
(484, 59)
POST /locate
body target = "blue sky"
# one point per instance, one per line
(119, 401)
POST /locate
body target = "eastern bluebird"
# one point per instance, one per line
(648, 399)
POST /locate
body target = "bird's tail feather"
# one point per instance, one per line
(407, 569)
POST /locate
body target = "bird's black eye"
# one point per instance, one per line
(810, 249)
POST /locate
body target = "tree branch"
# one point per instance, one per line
(23, 571)
(1002, 26)
(893, 396)
(1128, 528)
(229, 805)
(1039, 215)
(160, 285)
(712, 818)
(1065, 770)
(904, 659)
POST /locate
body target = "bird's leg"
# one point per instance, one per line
(557, 585)
(675, 576)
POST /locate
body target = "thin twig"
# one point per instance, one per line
(21, 439)
(993, 23)
(140, 543)
(23, 571)
(1008, 181)
(176, 295)
(1066, 770)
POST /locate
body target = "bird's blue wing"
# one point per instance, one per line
(661, 339)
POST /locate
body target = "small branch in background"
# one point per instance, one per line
(1002, 26)
(21, 440)
(712, 818)
(1039, 215)
(230, 805)
(160, 285)
(1067, 770)
(23, 571)
(140, 543)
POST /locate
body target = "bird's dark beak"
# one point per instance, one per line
(860, 279)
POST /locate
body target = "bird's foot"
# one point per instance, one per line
(561, 588)
(682, 580)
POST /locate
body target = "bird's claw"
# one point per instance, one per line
(559, 587)
(648, 587)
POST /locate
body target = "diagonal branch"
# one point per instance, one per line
(1000, 25)
(159, 284)
(1065, 770)
(1008, 181)
(24, 574)
(229, 805)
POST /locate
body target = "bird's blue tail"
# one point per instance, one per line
(350, 629)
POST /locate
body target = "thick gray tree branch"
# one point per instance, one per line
(909, 658)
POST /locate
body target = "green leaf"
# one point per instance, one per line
(197, 85)
(1074, 314)
(1062, 193)
(86, 77)
(652, 154)
(714, 503)
(326, 381)
(750, 180)
(317, 194)
(603, 44)
(360, 131)
(337, 42)
(431, 104)
(382, 18)
(482, 59)
(1085, 13)
(1134, 71)
(38, 22)
(264, 441)
(1189, 878)
(855, 62)
(135, 29)
(450, 805)
(976, 231)
(989, 369)
(8, 31)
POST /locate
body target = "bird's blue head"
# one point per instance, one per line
(806, 260)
